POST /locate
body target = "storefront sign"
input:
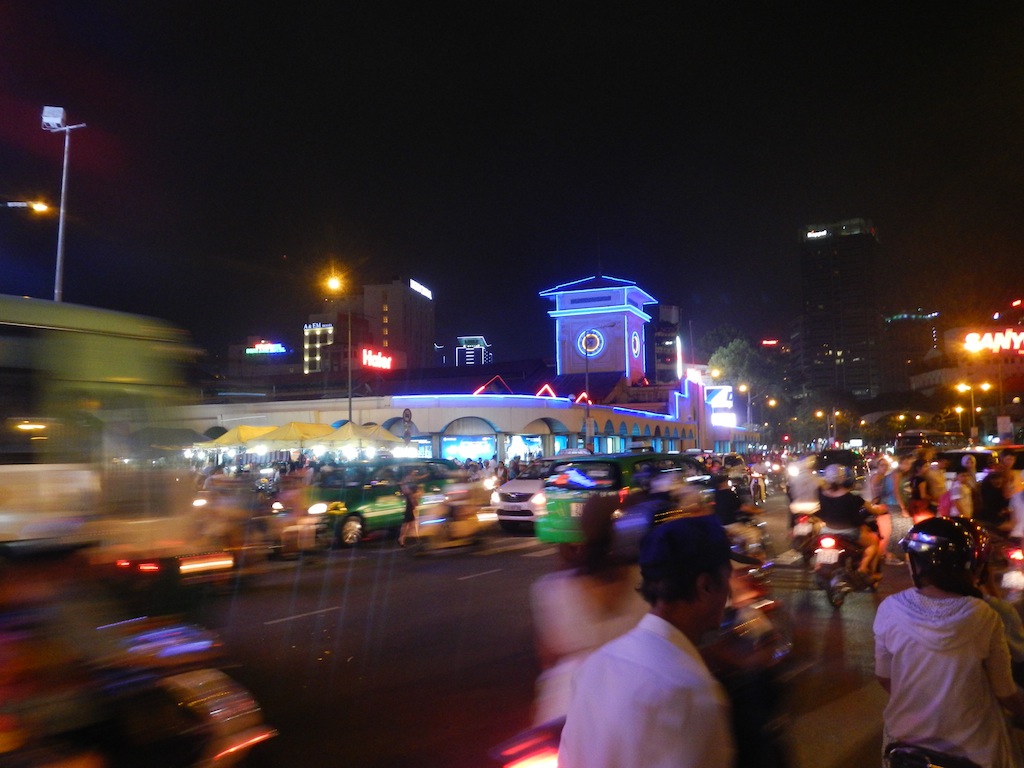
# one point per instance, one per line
(266, 348)
(373, 359)
(995, 341)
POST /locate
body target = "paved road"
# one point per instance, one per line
(373, 657)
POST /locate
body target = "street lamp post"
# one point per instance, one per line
(970, 388)
(53, 121)
(334, 285)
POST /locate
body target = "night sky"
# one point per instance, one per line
(491, 150)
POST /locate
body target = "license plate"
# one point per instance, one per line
(828, 556)
(576, 509)
(802, 529)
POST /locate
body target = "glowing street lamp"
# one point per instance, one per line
(970, 388)
(959, 418)
(34, 205)
(53, 121)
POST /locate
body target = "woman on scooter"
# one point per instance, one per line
(842, 512)
(941, 653)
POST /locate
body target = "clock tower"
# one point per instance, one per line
(600, 326)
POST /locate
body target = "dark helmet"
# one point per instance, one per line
(982, 544)
(946, 550)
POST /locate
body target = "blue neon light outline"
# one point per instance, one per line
(562, 288)
(618, 309)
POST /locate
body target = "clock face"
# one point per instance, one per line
(590, 342)
(634, 344)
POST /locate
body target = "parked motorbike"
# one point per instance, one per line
(836, 567)
(902, 755)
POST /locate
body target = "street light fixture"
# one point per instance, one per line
(35, 206)
(53, 121)
(985, 387)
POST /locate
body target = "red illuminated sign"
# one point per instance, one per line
(995, 341)
(375, 359)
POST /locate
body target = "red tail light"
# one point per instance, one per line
(1015, 554)
(149, 567)
(546, 758)
(827, 542)
(623, 495)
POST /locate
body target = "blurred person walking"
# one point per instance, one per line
(592, 600)
(896, 498)
(922, 503)
(412, 492)
(647, 699)
(874, 491)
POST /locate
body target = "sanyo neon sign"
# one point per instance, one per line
(995, 341)
(374, 359)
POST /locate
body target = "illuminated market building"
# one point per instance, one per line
(597, 394)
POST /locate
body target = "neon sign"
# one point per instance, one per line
(266, 348)
(995, 341)
(373, 359)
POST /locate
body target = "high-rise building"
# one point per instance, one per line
(836, 340)
(400, 315)
(394, 320)
(907, 338)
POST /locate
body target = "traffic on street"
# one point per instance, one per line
(374, 656)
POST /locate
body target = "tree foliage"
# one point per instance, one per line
(740, 363)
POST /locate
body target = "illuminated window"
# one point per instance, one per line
(385, 331)
(384, 320)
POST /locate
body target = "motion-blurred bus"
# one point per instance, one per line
(912, 439)
(77, 385)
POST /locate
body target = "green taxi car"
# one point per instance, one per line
(618, 475)
(364, 497)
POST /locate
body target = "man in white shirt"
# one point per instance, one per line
(647, 699)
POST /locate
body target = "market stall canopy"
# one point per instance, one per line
(379, 433)
(239, 435)
(350, 432)
(291, 435)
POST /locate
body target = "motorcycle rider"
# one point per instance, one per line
(942, 654)
(842, 512)
(803, 489)
(732, 511)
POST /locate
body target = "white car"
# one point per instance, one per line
(521, 502)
